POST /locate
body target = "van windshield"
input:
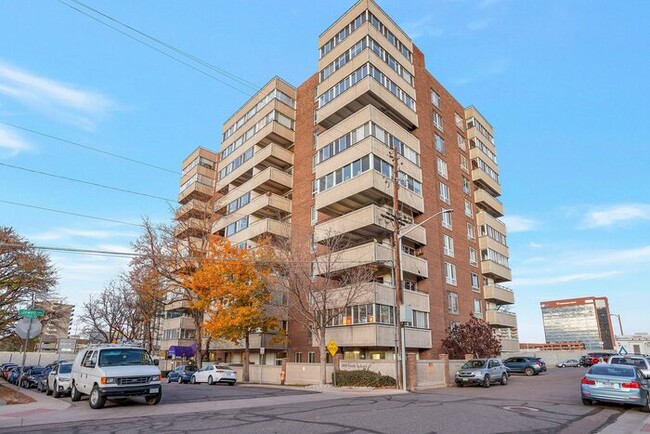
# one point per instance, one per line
(124, 356)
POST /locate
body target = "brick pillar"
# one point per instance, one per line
(411, 371)
(445, 366)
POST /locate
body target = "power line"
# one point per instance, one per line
(156, 49)
(49, 136)
(171, 47)
(70, 213)
(38, 172)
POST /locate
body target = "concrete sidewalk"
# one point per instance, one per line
(631, 422)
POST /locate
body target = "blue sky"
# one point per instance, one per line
(563, 83)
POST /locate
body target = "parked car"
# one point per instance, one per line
(597, 357)
(526, 365)
(571, 363)
(482, 372)
(640, 362)
(41, 384)
(213, 374)
(616, 383)
(59, 380)
(6, 368)
(115, 372)
(30, 376)
(181, 374)
(13, 374)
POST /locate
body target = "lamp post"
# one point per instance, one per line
(620, 323)
(399, 294)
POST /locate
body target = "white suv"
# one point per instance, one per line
(115, 372)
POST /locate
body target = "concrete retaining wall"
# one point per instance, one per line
(34, 358)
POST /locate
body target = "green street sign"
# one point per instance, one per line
(31, 313)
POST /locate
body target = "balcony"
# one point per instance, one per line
(366, 223)
(272, 155)
(196, 190)
(178, 305)
(365, 189)
(261, 227)
(192, 227)
(373, 292)
(257, 340)
(366, 254)
(496, 271)
(268, 180)
(376, 335)
(266, 205)
(194, 208)
(182, 322)
(497, 318)
(368, 91)
(488, 202)
(273, 132)
(498, 294)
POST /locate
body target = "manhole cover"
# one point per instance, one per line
(521, 409)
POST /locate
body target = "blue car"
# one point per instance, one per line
(616, 383)
(181, 374)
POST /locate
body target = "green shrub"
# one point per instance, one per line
(363, 378)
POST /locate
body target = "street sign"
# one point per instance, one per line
(31, 313)
(622, 351)
(23, 327)
(332, 347)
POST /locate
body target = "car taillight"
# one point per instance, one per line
(632, 385)
(587, 381)
(184, 372)
(539, 364)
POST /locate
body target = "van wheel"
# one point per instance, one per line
(96, 400)
(153, 400)
(75, 395)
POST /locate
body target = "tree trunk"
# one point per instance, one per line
(246, 359)
(323, 356)
(198, 357)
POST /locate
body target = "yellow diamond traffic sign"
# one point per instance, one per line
(332, 347)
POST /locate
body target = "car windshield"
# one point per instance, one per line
(36, 371)
(124, 356)
(473, 364)
(191, 368)
(65, 369)
(612, 371)
(223, 367)
(632, 362)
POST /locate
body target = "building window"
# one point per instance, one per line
(440, 143)
(450, 273)
(475, 282)
(444, 193)
(448, 245)
(298, 357)
(466, 187)
(446, 220)
(420, 320)
(442, 167)
(470, 231)
(410, 285)
(478, 312)
(437, 121)
(463, 164)
(459, 121)
(468, 208)
(473, 257)
(461, 141)
(311, 357)
(435, 98)
(452, 302)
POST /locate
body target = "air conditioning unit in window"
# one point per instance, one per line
(419, 252)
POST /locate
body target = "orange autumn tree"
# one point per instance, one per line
(230, 288)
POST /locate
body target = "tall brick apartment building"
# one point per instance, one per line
(302, 163)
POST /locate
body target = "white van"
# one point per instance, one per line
(115, 372)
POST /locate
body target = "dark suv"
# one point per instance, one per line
(526, 365)
(593, 358)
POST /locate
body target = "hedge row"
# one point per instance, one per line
(363, 378)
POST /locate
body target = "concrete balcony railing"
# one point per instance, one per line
(365, 189)
(373, 292)
(498, 294)
(501, 319)
(497, 271)
(366, 254)
(261, 227)
(485, 242)
(179, 304)
(367, 91)
(182, 322)
(196, 190)
(266, 205)
(363, 224)
(257, 340)
(192, 227)
(194, 208)
(376, 335)
(483, 218)
(483, 179)
(270, 156)
(485, 200)
(272, 132)
(269, 179)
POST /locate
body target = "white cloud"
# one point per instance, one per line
(519, 224)
(547, 279)
(11, 143)
(615, 214)
(54, 98)
(534, 245)
(478, 25)
(422, 27)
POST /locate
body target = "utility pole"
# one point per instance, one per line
(397, 258)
